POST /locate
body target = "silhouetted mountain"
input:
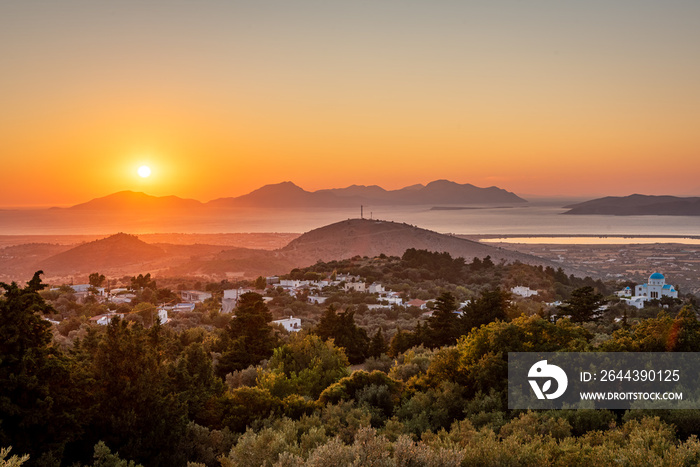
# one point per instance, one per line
(282, 195)
(346, 239)
(116, 251)
(358, 191)
(447, 192)
(416, 187)
(287, 194)
(365, 237)
(638, 205)
(131, 200)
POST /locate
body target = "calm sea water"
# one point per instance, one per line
(540, 218)
(580, 240)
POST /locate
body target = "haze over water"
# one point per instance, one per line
(539, 218)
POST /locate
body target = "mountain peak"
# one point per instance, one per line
(116, 251)
(365, 237)
(281, 187)
(136, 200)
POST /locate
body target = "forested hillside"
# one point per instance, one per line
(236, 390)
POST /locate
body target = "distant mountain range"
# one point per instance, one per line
(288, 195)
(638, 205)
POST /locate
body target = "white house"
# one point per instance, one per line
(626, 292)
(235, 294)
(184, 307)
(292, 284)
(392, 298)
(291, 324)
(85, 288)
(421, 304)
(122, 298)
(347, 278)
(356, 286)
(230, 300)
(318, 300)
(104, 320)
(656, 287)
(523, 291)
(163, 315)
(376, 288)
(637, 302)
(231, 297)
(194, 296)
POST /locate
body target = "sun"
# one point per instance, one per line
(144, 171)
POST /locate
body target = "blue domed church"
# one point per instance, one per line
(656, 287)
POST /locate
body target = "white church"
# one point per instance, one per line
(655, 288)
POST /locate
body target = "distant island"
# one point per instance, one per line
(460, 208)
(638, 205)
(289, 195)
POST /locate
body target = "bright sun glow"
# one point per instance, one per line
(144, 171)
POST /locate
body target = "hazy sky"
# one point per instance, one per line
(220, 97)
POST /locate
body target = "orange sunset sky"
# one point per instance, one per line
(550, 98)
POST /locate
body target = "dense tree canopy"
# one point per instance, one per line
(444, 325)
(96, 279)
(584, 305)
(492, 305)
(341, 327)
(237, 391)
(248, 339)
(35, 399)
(306, 365)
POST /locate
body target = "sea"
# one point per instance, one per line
(533, 222)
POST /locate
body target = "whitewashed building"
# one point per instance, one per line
(655, 288)
(163, 315)
(122, 298)
(392, 298)
(292, 283)
(421, 304)
(626, 292)
(291, 324)
(183, 307)
(104, 320)
(637, 302)
(523, 291)
(194, 296)
(85, 288)
(356, 286)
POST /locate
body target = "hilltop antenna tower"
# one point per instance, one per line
(362, 215)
